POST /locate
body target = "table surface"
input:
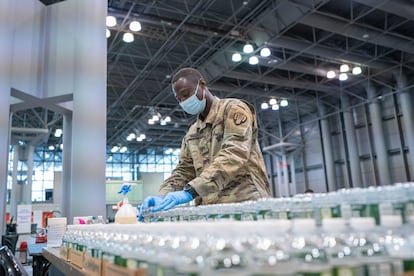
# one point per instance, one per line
(52, 255)
(35, 249)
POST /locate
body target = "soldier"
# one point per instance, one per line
(220, 158)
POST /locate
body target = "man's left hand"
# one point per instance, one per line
(172, 199)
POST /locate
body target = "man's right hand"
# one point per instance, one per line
(149, 201)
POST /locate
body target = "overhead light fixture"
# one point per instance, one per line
(114, 149)
(151, 121)
(236, 57)
(253, 60)
(167, 119)
(248, 48)
(344, 68)
(343, 77)
(356, 70)
(265, 52)
(58, 132)
(128, 37)
(110, 21)
(123, 149)
(135, 26)
(264, 106)
(108, 33)
(330, 74)
(272, 101)
(284, 103)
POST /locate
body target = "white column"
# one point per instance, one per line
(6, 47)
(13, 194)
(89, 110)
(27, 188)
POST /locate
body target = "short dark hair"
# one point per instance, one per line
(308, 191)
(188, 73)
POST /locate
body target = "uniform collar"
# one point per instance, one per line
(211, 116)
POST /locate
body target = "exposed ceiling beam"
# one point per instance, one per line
(402, 8)
(344, 27)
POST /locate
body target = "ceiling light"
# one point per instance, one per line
(114, 149)
(344, 68)
(58, 132)
(275, 107)
(150, 121)
(248, 48)
(128, 37)
(108, 33)
(264, 106)
(343, 76)
(272, 101)
(253, 60)
(163, 123)
(236, 57)
(110, 21)
(356, 70)
(123, 149)
(51, 147)
(143, 136)
(284, 102)
(167, 119)
(265, 52)
(330, 74)
(135, 26)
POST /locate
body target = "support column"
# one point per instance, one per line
(327, 151)
(279, 177)
(6, 47)
(66, 194)
(383, 167)
(407, 110)
(27, 188)
(89, 110)
(292, 171)
(354, 161)
(13, 193)
(285, 175)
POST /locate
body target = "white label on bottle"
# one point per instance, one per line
(346, 211)
(326, 212)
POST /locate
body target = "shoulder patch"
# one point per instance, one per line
(239, 118)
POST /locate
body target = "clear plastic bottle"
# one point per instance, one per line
(396, 239)
(269, 254)
(340, 255)
(370, 253)
(306, 249)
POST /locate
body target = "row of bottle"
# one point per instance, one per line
(397, 199)
(358, 247)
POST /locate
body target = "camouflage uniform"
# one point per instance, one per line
(220, 156)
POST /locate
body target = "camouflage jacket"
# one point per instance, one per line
(220, 156)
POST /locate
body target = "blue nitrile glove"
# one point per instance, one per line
(149, 201)
(172, 199)
(125, 189)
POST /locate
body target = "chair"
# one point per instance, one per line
(9, 264)
(10, 241)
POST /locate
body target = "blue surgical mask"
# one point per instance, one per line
(193, 105)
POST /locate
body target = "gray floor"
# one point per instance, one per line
(29, 269)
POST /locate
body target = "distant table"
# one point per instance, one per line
(40, 264)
